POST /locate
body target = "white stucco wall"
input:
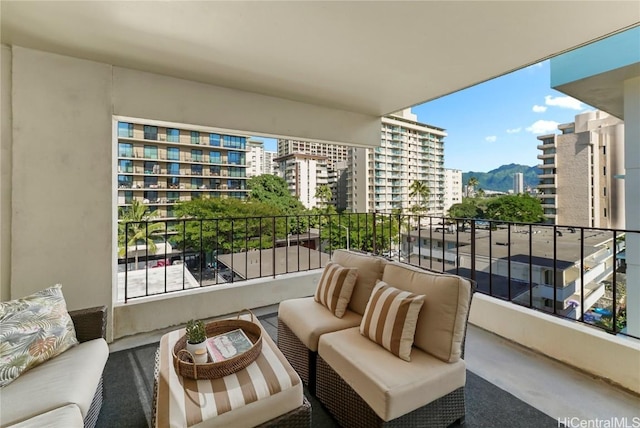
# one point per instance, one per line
(58, 154)
(590, 349)
(5, 173)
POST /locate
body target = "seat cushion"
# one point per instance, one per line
(390, 319)
(335, 287)
(370, 269)
(390, 386)
(68, 416)
(442, 321)
(308, 319)
(70, 378)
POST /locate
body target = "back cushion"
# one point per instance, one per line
(442, 321)
(370, 269)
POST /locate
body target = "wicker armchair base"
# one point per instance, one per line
(299, 356)
(91, 419)
(350, 410)
(300, 417)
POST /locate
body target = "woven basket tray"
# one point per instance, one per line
(183, 360)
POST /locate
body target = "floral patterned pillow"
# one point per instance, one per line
(32, 330)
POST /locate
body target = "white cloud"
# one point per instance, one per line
(543, 127)
(563, 102)
(539, 109)
(491, 138)
(513, 130)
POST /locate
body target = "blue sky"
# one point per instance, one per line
(497, 122)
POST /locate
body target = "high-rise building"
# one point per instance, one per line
(259, 160)
(332, 152)
(518, 183)
(409, 151)
(161, 164)
(303, 173)
(581, 169)
(452, 188)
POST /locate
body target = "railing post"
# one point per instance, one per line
(473, 250)
(555, 268)
(126, 261)
(582, 273)
(273, 261)
(614, 286)
(509, 261)
(490, 258)
(530, 266)
(374, 234)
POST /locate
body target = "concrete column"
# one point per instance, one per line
(632, 197)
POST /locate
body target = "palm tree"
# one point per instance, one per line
(135, 218)
(420, 190)
(471, 184)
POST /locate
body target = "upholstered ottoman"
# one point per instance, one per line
(266, 393)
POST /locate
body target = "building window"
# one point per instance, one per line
(125, 181)
(196, 169)
(173, 135)
(125, 150)
(150, 197)
(173, 153)
(151, 167)
(214, 183)
(214, 170)
(236, 172)
(215, 157)
(151, 152)
(128, 197)
(173, 183)
(236, 158)
(150, 132)
(214, 140)
(173, 169)
(236, 184)
(125, 129)
(173, 197)
(196, 183)
(234, 142)
(125, 165)
(195, 137)
(151, 182)
(196, 155)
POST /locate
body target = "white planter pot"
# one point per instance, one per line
(199, 351)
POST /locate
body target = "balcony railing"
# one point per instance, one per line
(567, 271)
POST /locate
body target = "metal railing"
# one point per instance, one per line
(567, 271)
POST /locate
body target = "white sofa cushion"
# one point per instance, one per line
(68, 416)
(370, 269)
(390, 386)
(308, 319)
(442, 320)
(70, 378)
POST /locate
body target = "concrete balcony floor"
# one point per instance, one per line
(552, 387)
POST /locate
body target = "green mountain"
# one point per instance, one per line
(501, 178)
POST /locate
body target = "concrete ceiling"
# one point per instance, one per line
(366, 57)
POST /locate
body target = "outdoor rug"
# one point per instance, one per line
(128, 397)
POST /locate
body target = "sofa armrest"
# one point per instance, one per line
(90, 323)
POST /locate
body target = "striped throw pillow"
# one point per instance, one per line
(390, 319)
(335, 288)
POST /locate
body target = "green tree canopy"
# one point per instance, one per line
(230, 224)
(515, 208)
(467, 209)
(323, 194)
(273, 190)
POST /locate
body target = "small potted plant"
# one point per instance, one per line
(196, 340)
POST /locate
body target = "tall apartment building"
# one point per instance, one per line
(409, 150)
(518, 183)
(581, 167)
(259, 160)
(452, 188)
(161, 165)
(332, 152)
(303, 173)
